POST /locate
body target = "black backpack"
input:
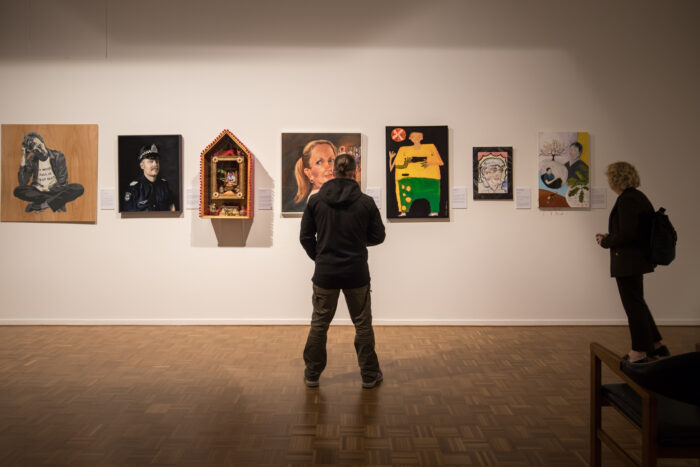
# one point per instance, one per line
(663, 239)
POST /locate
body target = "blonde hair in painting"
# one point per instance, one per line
(303, 183)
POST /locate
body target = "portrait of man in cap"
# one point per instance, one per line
(147, 188)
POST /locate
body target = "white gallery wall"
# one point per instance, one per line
(496, 72)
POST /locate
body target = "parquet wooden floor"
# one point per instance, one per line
(460, 396)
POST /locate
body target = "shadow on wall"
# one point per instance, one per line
(255, 232)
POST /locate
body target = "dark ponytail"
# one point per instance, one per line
(344, 166)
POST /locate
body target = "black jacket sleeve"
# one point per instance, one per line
(60, 169)
(375, 228)
(26, 171)
(307, 235)
(625, 224)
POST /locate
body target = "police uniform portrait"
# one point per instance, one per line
(149, 173)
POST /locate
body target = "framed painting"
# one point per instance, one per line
(563, 169)
(149, 173)
(417, 163)
(49, 173)
(307, 163)
(493, 172)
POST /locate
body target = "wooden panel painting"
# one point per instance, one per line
(49, 173)
(493, 172)
(307, 163)
(417, 172)
(564, 161)
(149, 173)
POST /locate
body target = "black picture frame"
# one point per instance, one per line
(500, 156)
(170, 155)
(435, 145)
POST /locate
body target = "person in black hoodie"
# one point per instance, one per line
(629, 228)
(337, 226)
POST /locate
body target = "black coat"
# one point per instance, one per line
(144, 195)
(629, 228)
(338, 225)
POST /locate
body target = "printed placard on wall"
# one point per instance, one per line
(493, 172)
(564, 161)
(416, 172)
(307, 163)
(49, 173)
(149, 173)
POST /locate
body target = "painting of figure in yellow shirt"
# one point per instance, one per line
(416, 174)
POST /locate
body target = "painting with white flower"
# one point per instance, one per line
(564, 162)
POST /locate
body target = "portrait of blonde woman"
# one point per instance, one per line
(307, 164)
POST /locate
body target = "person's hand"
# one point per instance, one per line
(599, 238)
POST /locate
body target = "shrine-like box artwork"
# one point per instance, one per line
(226, 175)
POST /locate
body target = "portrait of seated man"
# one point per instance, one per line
(43, 177)
(550, 179)
(148, 192)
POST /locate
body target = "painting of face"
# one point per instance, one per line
(493, 175)
(416, 137)
(37, 147)
(150, 167)
(493, 172)
(307, 164)
(574, 152)
(321, 163)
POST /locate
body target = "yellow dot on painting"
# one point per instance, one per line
(403, 208)
(403, 186)
(408, 188)
(408, 200)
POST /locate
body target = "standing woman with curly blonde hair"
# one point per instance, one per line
(628, 237)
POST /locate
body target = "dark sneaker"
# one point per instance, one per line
(311, 383)
(373, 382)
(32, 207)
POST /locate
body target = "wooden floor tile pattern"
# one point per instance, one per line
(459, 396)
